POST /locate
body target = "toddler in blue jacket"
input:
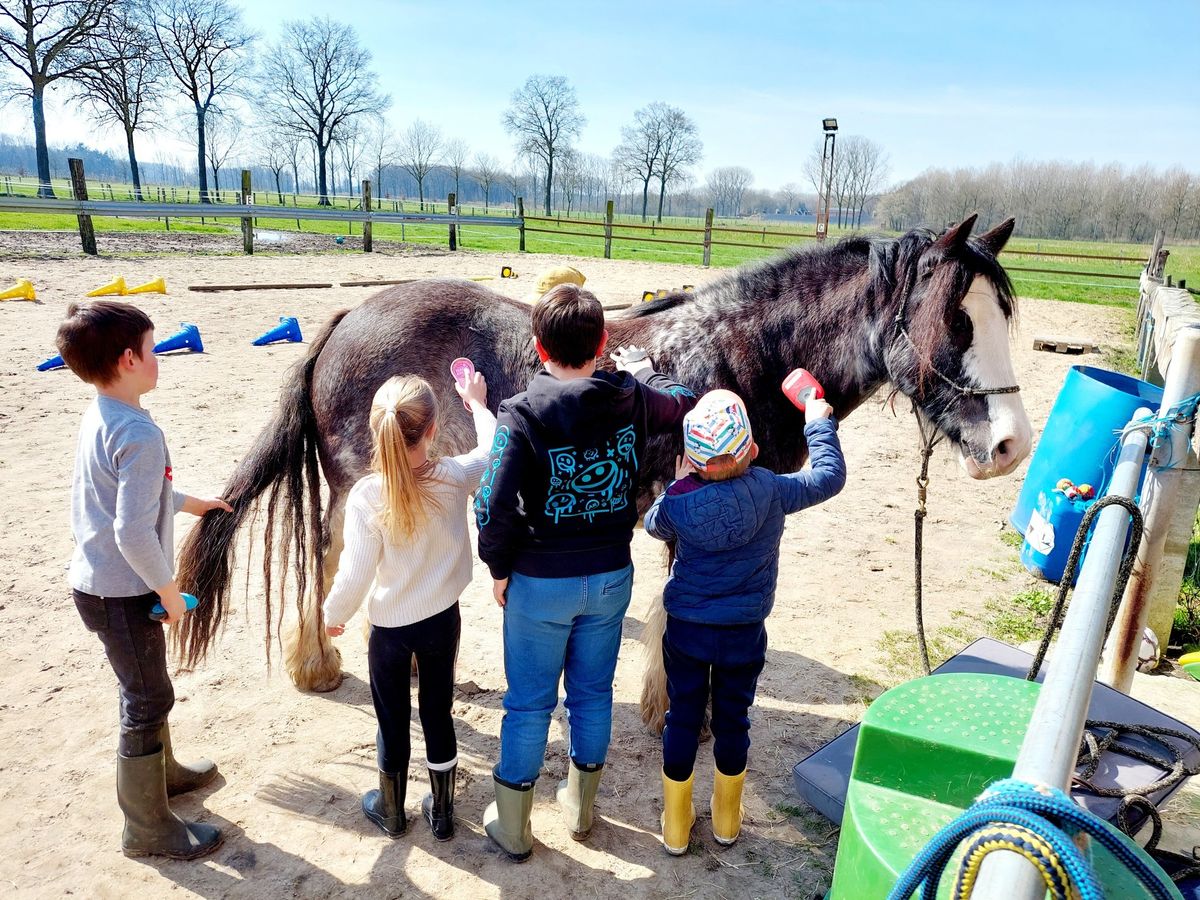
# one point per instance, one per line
(727, 521)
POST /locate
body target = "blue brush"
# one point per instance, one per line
(158, 612)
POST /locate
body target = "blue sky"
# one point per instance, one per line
(935, 83)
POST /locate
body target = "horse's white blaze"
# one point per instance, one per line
(988, 364)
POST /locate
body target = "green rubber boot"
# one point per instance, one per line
(151, 829)
(183, 778)
(576, 795)
(506, 821)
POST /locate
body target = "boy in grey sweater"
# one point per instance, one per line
(123, 504)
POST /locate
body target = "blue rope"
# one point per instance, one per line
(1160, 427)
(1045, 812)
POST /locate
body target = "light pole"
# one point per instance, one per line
(825, 189)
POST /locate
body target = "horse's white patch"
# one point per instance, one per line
(988, 364)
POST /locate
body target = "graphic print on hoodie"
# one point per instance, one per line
(559, 496)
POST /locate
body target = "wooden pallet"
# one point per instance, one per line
(1062, 345)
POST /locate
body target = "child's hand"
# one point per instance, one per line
(683, 467)
(475, 390)
(500, 591)
(335, 630)
(173, 603)
(214, 503)
(631, 359)
(816, 408)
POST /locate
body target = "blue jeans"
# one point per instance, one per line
(725, 660)
(567, 628)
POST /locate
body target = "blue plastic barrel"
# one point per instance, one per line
(1053, 524)
(1081, 434)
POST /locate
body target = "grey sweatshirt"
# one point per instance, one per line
(122, 503)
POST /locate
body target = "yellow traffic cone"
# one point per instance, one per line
(22, 290)
(157, 286)
(116, 287)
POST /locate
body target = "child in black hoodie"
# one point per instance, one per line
(556, 510)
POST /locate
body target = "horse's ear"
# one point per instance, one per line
(995, 239)
(957, 235)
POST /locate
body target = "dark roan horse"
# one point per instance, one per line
(928, 314)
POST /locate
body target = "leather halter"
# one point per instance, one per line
(963, 390)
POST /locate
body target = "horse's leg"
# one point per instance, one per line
(654, 678)
(312, 661)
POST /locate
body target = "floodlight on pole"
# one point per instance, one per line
(825, 187)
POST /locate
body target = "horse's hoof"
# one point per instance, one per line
(326, 683)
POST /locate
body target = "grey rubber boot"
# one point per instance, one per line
(385, 807)
(576, 795)
(506, 821)
(151, 829)
(183, 778)
(438, 805)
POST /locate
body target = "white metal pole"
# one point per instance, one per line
(1051, 743)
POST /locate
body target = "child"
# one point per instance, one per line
(556, 512)
(122, 506)
(727, 521)
(406, 540)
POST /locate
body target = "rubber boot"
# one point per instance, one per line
(576, 795)
(385, 807)
(727, 812)
(438, 806)
(678, 816)
(506, 821)
(183, 778)
(151, 829)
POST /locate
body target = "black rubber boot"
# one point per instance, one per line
(183, 778)
(438, 806)
(385, 807)
(151, 829)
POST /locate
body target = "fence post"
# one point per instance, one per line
(608, 217)
(87, 234)
(247, 222)
(366, 205)
(521, 227)
(708, 217)
(450, 210)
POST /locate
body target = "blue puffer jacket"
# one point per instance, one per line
(728, 532)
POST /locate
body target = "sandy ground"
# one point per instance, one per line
(293, 765)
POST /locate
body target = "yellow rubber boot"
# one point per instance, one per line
(679, 815)
(727, 812)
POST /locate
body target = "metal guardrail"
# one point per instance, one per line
(156, 210)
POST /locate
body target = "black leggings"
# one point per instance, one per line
(434, 641)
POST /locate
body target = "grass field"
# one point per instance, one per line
(675, 240)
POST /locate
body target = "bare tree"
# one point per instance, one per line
(126, 83)
(421, 149)
(789, 195)
(316, 80)
(457, 154)
(294, 145)
(47, 40)
(680, 147)
(864, 167)
(570, 177)
(202, 42)
(351, 143)
(640, 149)
(544, 116)
(726, 187)
(275, 155)
(487, 172)
(224, 131)
(381, 144)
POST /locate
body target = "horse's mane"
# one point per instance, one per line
(892, 262)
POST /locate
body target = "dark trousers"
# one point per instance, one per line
(723, 659)
(434, 642)
(137, 651)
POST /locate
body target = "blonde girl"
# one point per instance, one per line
(407, 552)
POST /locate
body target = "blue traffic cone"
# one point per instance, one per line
(188, 339)
(288, 329)
(54, 362)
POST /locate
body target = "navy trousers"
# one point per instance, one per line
(724, 660)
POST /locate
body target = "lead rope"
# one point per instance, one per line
(930, 437)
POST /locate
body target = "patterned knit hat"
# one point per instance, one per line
(717, 426)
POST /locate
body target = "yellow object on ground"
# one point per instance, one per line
(559, 275)
(1189, 658)
(22, 290)
(157, 286)
(116, 288)
(678, 816)
(727, 809)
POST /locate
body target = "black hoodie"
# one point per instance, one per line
(559, 495)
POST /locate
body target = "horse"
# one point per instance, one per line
(927, 313)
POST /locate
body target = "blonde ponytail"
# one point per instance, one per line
(402, 412)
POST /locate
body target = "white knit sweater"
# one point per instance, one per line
(409, 582)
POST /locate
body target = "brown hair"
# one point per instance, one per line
(402, 412)
(569, 322)
(723, 467)
(95, 336)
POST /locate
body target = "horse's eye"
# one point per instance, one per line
(927, 272)
(961, 323)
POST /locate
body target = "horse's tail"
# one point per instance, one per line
(283, 465)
